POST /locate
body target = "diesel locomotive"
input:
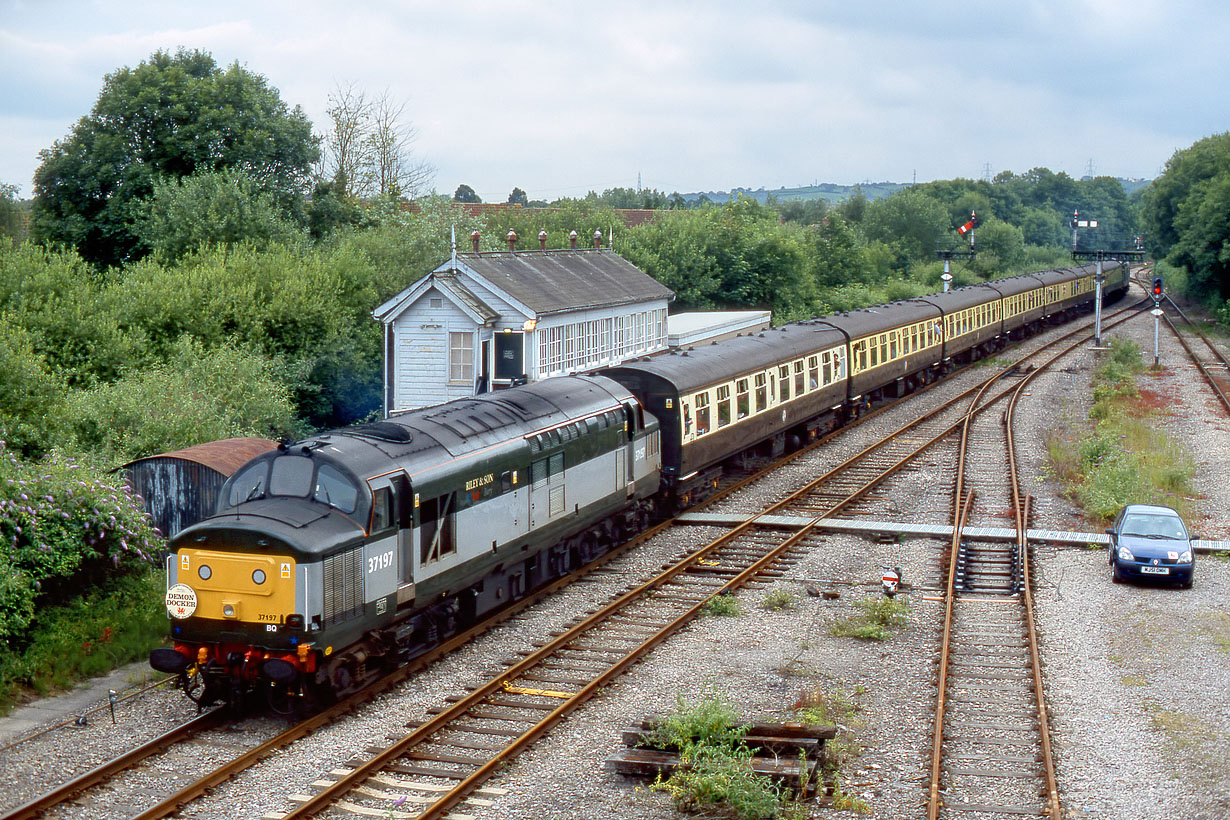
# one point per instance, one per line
(333, 559)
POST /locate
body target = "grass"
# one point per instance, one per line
(779, 599)
(722, 605)
(716, 778)
(1122, 456)
(876, 621)
(108, 626)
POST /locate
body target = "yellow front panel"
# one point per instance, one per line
(232, 581)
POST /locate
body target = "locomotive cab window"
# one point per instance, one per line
(291, 475)
(335, 489)
(249, 484)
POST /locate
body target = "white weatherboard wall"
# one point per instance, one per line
(421, 343)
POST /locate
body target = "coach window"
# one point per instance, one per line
(813, 371)
(742, 399)
(702, 413)
(892, 346)
(875, 353)
(827, 367)
(723, 405)
(799, 378)
(762, 394)
(783, 383)
(839, 364)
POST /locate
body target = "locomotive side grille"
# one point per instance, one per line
(343, 575)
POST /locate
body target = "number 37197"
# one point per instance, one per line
(378, 562)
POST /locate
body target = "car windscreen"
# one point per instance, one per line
(1153, 526)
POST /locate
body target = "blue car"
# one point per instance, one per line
(1151, 543)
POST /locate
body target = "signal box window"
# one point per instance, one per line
(461, 357)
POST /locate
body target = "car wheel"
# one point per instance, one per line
(1188, 583)
(1115, 577)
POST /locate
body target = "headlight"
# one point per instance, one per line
(228, 610)
(1126, 555)
(1185, 557)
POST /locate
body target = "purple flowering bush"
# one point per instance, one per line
(64, 527)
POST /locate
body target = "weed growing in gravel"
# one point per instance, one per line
(779, 599)
(825, 705)
(840, 801)
(1219, 629)
(716, 774)
(722, 605)
(1124, 457)
(877, 620)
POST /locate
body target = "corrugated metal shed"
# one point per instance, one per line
(181, 488)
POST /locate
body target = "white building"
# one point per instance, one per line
(486, 321)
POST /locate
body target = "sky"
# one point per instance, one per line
(561, 98)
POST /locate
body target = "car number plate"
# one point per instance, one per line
(1155, 570)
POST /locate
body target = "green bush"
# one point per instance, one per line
(89, 634)
(197, 395)
(64, 525)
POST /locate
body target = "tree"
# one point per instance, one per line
(213, 208)
(12, 214)
(170, 117)
(465, 194)
(854, 207)
(367, 150)
(1173, 190)
(909, 221)
(518, 197)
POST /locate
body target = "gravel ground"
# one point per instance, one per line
(1138, 677)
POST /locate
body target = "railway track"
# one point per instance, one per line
(455, 752)
(1215, 368)
(564, 673)
(991, 754)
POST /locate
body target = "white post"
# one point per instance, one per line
(1157, 320)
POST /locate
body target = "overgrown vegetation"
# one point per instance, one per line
(1122, 456)
(876, 620)
(105, 626)
(825, 705)
(715, 777)
(61, 523)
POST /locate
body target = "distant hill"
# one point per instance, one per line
(828, 191)
(837, 193)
